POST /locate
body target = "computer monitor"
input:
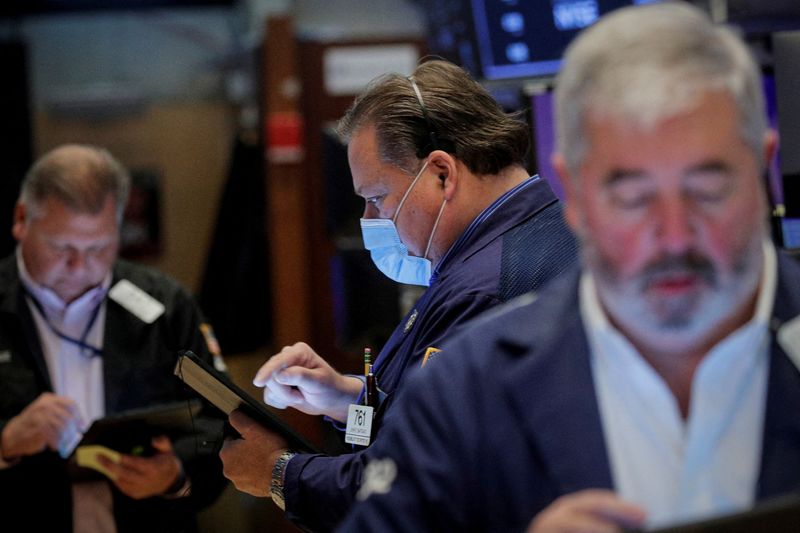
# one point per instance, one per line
(450, 34)
(526, 38)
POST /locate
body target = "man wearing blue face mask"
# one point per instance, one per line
(450, 206)
(388, 251)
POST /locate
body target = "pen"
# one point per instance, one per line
(370, 397)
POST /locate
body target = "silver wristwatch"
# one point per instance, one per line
(276, 483)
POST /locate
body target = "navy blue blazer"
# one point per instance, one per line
(516, 249)
(505, 421)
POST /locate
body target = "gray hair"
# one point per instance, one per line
(80, 176)
(649, 63)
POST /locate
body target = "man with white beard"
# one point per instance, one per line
(656, 384)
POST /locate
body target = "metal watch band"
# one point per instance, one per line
(276, 483)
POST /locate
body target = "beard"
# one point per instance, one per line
(677, 301)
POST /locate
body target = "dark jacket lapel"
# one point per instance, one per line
(16, 314)
(780, 461)
(572, 446)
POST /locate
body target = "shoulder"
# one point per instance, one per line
(788, 265)
(9, 276)
(530, 325)
(514, 255)
(8, 269)
(154, 282)
(788, 289)
(144, 275)
(536, 252)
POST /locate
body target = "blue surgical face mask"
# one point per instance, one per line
(389, 253)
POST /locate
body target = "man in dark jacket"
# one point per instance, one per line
(84, 335)
(449, 206)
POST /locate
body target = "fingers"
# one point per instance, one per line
(611, 507)
(577, 524)
(242, 423)
(62, 423)
(249, 463)
(303, 378)
(282, 396)
(50, 421)
(588, 511)
(250, 430)
(143, 477)
(283, 372)
(161, 444)
(242, 466)
(55, 411)
(291, 386)
(299, 354)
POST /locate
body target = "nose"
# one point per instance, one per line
(76, 260)
(675, 226)
(369, 211)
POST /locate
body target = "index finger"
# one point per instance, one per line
(64, 409)
(241, 422)
(289, 356)
(608, 505)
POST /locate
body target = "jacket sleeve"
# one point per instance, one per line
(319, 490)
(419, 477)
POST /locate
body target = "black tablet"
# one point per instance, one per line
(130, 431)
(777, 515)
(226, 396)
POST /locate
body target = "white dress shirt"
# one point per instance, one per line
(709, 463)
(74, 372)
(77, 374)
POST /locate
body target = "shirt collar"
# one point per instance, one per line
(476, 222)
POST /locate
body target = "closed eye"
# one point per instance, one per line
(709, 185)
(629, 190)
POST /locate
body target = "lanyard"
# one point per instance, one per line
(86, 349)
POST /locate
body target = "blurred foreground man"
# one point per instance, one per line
(656, 384)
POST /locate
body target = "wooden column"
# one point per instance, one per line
(287, 208)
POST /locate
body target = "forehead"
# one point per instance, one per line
(370, 174)
(707, 131)
(57, 220)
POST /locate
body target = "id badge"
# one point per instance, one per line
(359, 424)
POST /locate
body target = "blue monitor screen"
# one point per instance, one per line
(526, 38)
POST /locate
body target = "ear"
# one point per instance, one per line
(18, 226)
(446, 169)
(570, 191)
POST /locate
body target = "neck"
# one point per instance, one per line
(678, 366)
(474, 194)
